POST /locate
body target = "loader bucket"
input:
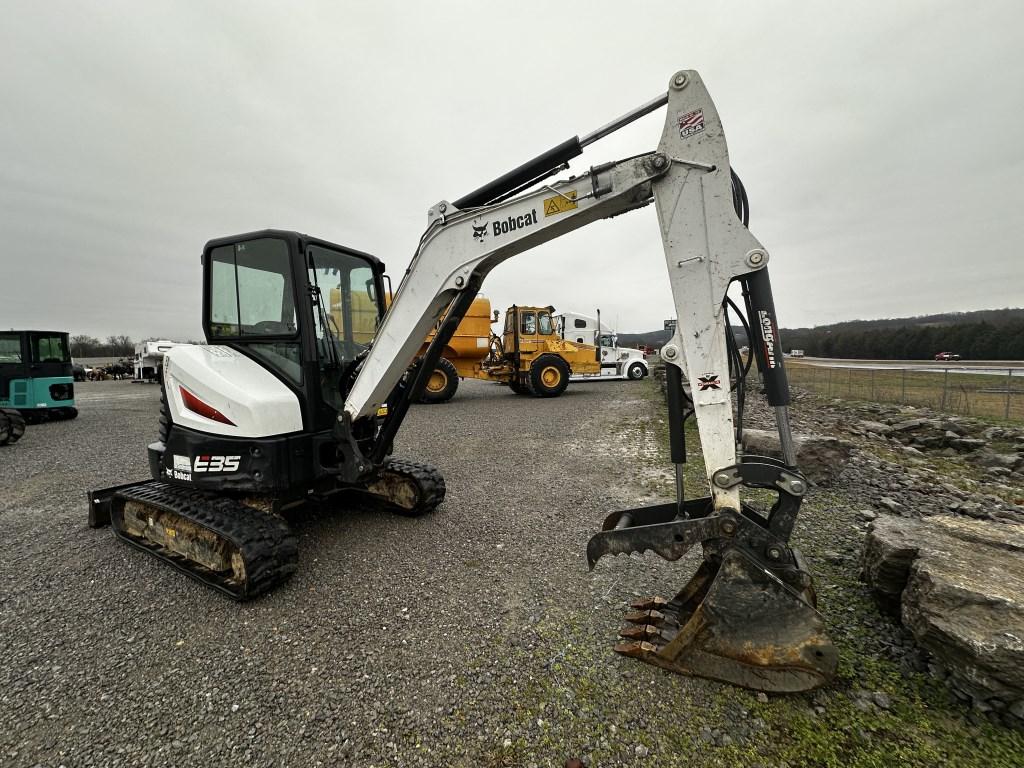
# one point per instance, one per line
(738, 623)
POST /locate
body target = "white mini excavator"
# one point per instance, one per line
(305, 380)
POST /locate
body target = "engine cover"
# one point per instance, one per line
(251, 398)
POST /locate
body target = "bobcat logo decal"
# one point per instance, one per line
(479, 231)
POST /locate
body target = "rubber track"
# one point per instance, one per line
(12, 426)
(268, 547)
(428, 479)
(17, 423)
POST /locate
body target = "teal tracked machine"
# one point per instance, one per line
(36, 382)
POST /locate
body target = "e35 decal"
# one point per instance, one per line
(216, 463)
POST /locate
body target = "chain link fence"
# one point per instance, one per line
(994, 393)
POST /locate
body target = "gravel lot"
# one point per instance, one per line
(398, 641)
(474, 636)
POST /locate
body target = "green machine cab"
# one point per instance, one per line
(35, 375)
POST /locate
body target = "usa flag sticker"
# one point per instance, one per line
(691, 123)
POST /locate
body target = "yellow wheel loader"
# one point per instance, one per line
(292, 401)
(529, 357)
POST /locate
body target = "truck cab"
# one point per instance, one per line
(616, 361)
(534, 358)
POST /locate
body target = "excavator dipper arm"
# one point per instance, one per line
(748, 616)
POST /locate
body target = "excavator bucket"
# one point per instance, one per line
(747, 616)
(738, 623)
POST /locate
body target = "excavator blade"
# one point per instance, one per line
(738, 623)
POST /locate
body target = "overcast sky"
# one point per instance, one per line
(881, 144)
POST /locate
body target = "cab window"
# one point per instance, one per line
(251, 290)
(49, 348)
(252, 302)
(10, 348)
(544, 323)
(529, 323)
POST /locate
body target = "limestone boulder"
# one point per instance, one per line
(958, 585)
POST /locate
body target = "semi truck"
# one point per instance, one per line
(616, 361)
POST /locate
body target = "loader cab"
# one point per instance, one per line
(301, 307)
(528, 328)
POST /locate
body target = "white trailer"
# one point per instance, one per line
(616, 361)
(149, 355)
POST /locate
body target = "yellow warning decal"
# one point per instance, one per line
(560, 203)
(382, 411)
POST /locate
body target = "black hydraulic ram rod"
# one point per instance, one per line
(547, 163)
(767, 347)
(676, 429)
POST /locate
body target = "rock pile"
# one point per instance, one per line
(958, 586)
(1000, 449)
(821, 458)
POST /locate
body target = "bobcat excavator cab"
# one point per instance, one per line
(247, 421)
(290, 402)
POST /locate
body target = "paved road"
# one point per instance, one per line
(986, 367)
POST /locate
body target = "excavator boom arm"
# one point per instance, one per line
(706, 247)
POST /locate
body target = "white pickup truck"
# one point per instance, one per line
(616, 361)
(149, 355)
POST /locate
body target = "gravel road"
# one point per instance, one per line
(399, 642)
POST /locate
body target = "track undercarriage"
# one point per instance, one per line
(242, 545)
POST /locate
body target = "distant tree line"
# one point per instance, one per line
(987, 334)
(972, 340)
(114, 346)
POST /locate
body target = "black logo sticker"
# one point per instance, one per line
(709, 381)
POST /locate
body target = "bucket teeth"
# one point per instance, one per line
(637, 650)
(646, 617)
(649, 603)
(641, 632)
